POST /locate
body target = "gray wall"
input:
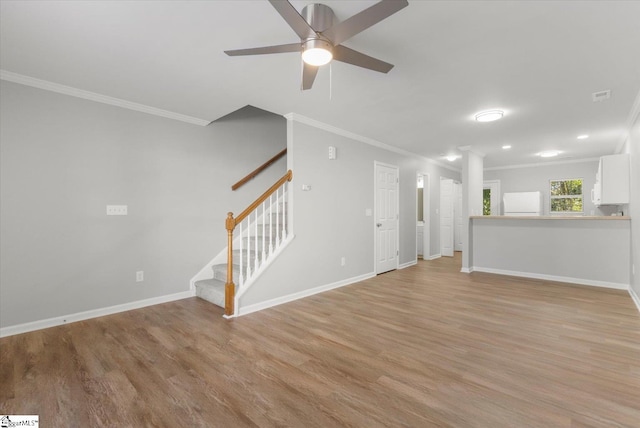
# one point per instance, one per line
(536, 178)
(584, 251)
(633, 148)
(330, 220)
(64, 159)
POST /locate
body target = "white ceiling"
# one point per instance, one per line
(539, 61)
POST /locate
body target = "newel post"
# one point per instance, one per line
(229, 287)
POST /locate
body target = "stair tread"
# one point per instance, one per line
(212, 282)
(211, 290)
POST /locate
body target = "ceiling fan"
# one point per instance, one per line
(321, 36)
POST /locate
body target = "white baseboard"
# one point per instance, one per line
(635, 298)
(306, 293)
(94, 313)
(406, 265)
(435, 256)
(579, 281)
(466, 270)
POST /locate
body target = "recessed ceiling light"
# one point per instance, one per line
(489, 115)
(583, 137)
(451, 158)
(549, 153)
(506, 146)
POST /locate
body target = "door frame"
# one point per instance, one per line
(494, 186)
(458, 222)
(426, 204)
(375, 213)
(440, 228)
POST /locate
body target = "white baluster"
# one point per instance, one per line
(264, 235)
(277, 217)
(240, 276)
(255, 268)
(270, 225)
(284, 211)
(248, 273)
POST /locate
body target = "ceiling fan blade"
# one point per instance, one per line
(293, 18)
(308, 75)
(344, 54)
(361, 21)
(291, 47)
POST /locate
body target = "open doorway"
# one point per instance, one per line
(491, 197)
(450, 216)
(423, 225)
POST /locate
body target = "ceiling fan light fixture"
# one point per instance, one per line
(489, 115)
(317, 52)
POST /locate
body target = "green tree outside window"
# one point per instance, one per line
(566, 195)
(486, 202)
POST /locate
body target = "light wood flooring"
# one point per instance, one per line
(419, 347)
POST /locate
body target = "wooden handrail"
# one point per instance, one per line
(230, 225)
(258, 170)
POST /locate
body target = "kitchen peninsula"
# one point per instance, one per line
(578, 249)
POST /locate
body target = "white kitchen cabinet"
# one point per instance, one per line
(612, 181)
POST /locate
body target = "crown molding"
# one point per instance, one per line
(99, 98)
(338, 131)
(537, 165)
(471, 150)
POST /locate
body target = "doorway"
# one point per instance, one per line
(491, 197)
(450, 216)
(446, 217)
(423, 225)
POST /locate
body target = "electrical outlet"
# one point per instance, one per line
(140, 276)
(343, 261)
(116, 210)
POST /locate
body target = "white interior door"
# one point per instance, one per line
(386, 218)
(457, 217)
(446, 217)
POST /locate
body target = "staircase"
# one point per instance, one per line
(262, 231)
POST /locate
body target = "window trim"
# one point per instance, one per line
(552, 197)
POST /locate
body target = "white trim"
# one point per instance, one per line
(408, 264)
(301, 294)
(426, 202)
(94, 313)
(93, 96)
(635, 298)
(538, 165)
(433, 257)
(633, 116)
(466, 270)
(366, 140)
(579, 281)
(494, 185)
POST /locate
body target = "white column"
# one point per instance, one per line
(472, 178)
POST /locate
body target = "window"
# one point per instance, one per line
(566, 196)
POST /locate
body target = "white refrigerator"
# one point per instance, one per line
(522, 203)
